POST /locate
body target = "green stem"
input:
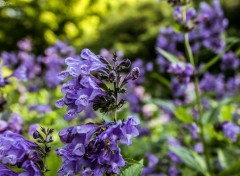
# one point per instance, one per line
(198, 97)
(198, 102)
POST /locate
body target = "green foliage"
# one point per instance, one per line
(133, 168)
(183, 115)
(190, 158)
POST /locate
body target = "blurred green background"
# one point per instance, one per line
(128, 25)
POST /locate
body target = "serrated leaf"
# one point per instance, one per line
(134, 168)
(170, 57)
(190, 158)
(183, 115)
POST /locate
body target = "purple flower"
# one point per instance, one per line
(5, 171)
(41, 109)
(213, 84)
(25, 45)
(211, 25)
(230, 61)
(33, 128)
(194, 130)
(183, 71)
(172, 171)
(15, 150)
(231, 130)
(198, 147)
(83, 88)
(14, 124)
(152, 162)
(190, 13)
(168, 40)
(92, 149)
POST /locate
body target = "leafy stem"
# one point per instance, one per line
(198, 97)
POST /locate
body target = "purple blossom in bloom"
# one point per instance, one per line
(198, 147)
(54, 62)
(41, 109)
(92, 149)
(172, 171)
(9, 59)
(25, 45)
(82, 89)
(15, 150)
(183, 71)
(14, 124)
(231, 130)
(213, 84)
(190, 13)
(194, 130)
(168, 40)
(211, 25)
(230, 61)
(233, 85)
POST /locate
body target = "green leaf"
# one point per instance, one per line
(183, 115)
(164, 104)
(161, 79)
(231, 42)
(133, 168)
(190, 158)
(233, 170)
(170, 57)
(210, 63)
(222, 158)
(226, 113)
(209, 116)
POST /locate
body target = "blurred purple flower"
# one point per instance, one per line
(41, 109)
(231, 130)
(230, 61)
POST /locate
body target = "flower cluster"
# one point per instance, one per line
(211, 25)
(84, 89)
(231, 130)
(14, 124)
(92, 149)
(15, 150)
(183, 71)
(230, 61)
(34, 69)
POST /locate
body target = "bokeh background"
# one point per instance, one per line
(131, 26)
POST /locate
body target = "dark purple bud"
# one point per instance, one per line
(112, 76)
(37, 135)
(135, 73)
(124, 64)
(104, 60)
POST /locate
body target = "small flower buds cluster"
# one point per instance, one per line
(44, 139)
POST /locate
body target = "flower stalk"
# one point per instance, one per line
(198, 96)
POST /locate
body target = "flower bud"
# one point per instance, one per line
(37, 135)
(124, 64)
(112, 76)
(135, 73)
